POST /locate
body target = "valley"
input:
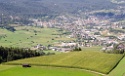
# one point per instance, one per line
(62, 37)
(27, 37)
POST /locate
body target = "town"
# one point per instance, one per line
(89, 31)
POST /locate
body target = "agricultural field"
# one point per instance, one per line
(91, 59)
(42, 71)
(119, 70)
(71, 64)
(27, 36)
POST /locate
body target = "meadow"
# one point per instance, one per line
(119, 70)
(27, 36)
(90, 58)
(68, 64)
(42, 71)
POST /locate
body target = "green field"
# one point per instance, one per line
(93, 60)
(119, 70)
(27, 36)
(42, 71)
(63, 64)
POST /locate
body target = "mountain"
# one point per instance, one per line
(51, 7)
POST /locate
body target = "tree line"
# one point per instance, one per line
(11, 53)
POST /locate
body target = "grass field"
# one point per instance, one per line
(93, 60)
(71, 64)
(27, 36)
(42, 71)
(119, 70)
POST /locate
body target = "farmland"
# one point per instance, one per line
(62, 37)
(119, 70)
(86, 59)
(27, 36)
(71, 64)
(42, 71)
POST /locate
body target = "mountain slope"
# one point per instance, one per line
(31, 7)
(92, 60)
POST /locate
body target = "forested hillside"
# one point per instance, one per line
(51, 7)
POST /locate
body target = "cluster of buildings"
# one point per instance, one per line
(90, 31)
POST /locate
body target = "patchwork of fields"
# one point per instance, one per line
(86, 59)
(68, 64)
(27, 36)
(65, 64)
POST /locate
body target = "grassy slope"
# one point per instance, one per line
(119, 70)
(5, 67)
(24, 38)
(93, 60)
(42, 71)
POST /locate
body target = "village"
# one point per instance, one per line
(88, 28)
(88, 32)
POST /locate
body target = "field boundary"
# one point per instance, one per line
(5, 68)
(116, 64)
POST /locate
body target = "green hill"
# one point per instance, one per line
(119, 70)
(6, 70)
(87, 59)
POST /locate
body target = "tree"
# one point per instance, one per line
(10, 53)
(80, 49)
(1, 59)
(77, 49)
(97, 33)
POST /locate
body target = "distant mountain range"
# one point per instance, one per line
(51, 7)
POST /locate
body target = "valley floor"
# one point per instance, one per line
(42, 71)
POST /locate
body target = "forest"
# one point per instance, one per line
(33, 8)
(11, 53)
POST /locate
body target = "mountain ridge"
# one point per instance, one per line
(29, 7)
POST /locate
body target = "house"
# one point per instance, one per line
(120, 47)
(108, 49)
(39, 47)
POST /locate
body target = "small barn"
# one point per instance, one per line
(26, 65)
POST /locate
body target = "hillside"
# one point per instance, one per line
(119, 70)
(60, 28)
(7, 70)
(49, 7)
(92, 60)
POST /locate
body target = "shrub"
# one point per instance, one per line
(77, 49)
